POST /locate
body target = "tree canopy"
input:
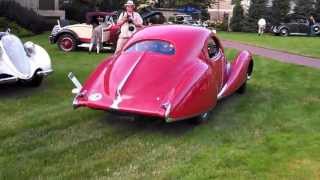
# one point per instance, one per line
(236, 22)
(280, 8)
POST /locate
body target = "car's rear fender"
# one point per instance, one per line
(195, 94)
(239, 71)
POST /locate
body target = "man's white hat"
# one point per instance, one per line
(129, 3)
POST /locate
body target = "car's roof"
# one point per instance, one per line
(183, 15)
(295, 16)
(184, 38)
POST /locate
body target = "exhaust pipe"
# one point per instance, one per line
(75, 82)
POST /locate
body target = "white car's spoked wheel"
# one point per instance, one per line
(66, 43)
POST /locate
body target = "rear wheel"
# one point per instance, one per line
(284, 32)
(35, 81)
(316, 29)
(201, 119)
(242, 88)
(67, 43)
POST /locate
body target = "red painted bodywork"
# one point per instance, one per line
(173, 87)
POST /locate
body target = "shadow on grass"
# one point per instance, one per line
(146, 124)
(15, 90)
(157, 125)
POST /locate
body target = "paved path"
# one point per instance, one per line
(274, 54)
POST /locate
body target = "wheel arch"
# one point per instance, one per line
(69, 32)
(250, 67)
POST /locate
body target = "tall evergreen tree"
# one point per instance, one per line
(317, 10)
(280, 8)
(304, 7)
(236, 22)
(256, 11)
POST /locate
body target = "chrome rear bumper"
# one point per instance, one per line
(15, 79)
(45, 73)
(8, 80)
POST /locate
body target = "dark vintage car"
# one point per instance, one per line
(296, 25)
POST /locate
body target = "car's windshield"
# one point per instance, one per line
(156, 46)
(16, 53)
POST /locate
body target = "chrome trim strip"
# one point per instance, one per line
(168, 110)
(118, 99)
(298, 33)
(222, 91)
(45, 73)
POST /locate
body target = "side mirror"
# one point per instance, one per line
(29, 48)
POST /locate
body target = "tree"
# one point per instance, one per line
(256, 11)
(236, 22)
(280, 8)
(304, 7)
(317, 10)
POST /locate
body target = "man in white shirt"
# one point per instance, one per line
(261, 26)
(129, 20)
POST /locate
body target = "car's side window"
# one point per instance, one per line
(293, 20)
(213, 48)
(302, 20)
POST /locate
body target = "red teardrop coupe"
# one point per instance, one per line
(174, 72)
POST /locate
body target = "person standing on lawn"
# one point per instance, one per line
(96, 38)
(129, 21)
(261, 26)
(312, 22)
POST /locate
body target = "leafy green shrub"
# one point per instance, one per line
(77, 10)
(256, 11)
(24, 17)
(220, 25)
(15, 28)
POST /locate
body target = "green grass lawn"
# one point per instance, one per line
(271, 132)
(303, 45)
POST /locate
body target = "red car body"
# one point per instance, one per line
(184, 83)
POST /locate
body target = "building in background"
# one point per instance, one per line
(223, 8)
(47, 8)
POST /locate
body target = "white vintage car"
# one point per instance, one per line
(25, 63)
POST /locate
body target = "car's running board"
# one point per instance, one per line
(86, 45)
(44, 73)
(8, 80)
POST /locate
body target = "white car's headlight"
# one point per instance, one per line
(29, 47)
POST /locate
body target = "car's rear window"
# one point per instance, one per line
(156, 46)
